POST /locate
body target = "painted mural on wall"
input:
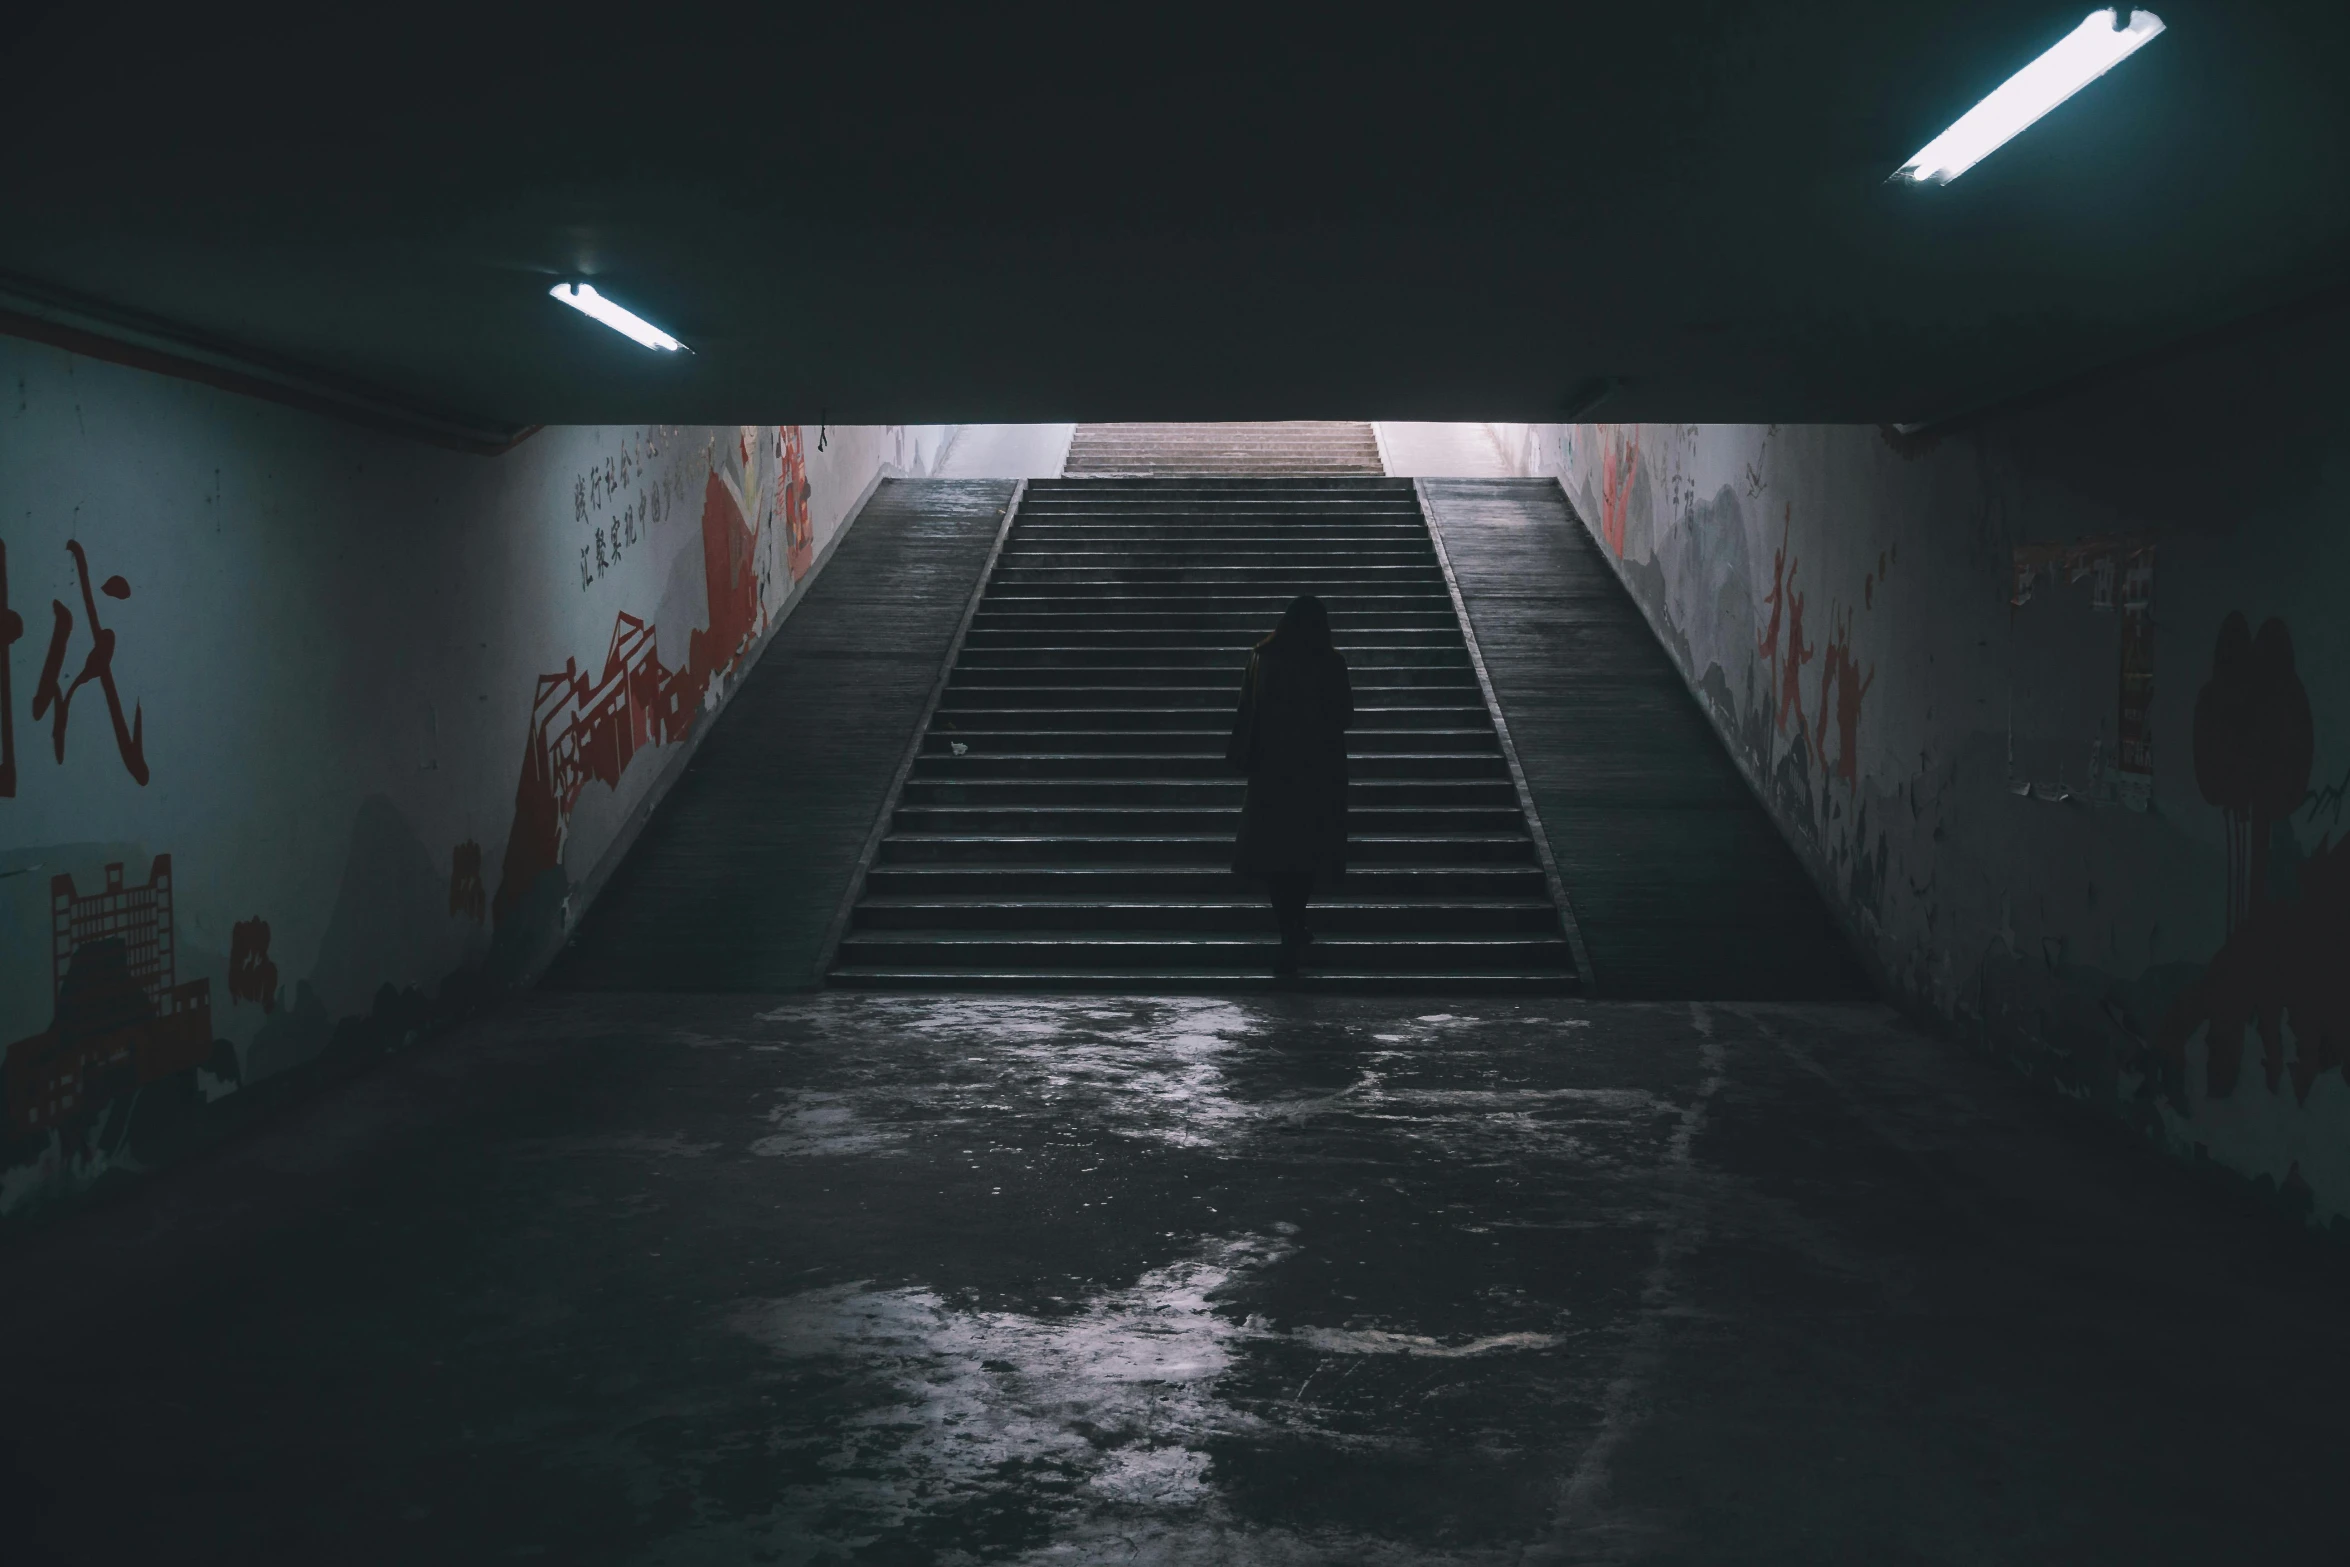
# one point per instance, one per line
(2067, 794)
(2283, 974)
(791, 492)
(297, 657)
(52, 695)
(122, 1021)
(588, 725)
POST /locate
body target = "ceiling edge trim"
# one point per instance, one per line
(38, 314)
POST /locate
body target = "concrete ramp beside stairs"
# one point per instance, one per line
(736, 878)
(1681, 883)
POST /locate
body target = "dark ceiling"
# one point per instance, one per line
(881, 216)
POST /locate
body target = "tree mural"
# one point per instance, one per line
(2281, 970)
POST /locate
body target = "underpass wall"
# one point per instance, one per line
(2056, 708)
(314, 738)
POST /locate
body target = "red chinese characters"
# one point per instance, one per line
(50, 698)
(11, 628)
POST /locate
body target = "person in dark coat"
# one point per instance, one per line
(1295, 708)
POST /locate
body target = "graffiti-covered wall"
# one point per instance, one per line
(309, 736)
(2057, 708)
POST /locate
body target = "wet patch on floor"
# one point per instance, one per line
(1291, 1280)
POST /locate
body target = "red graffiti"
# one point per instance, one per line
(1793, 657)
(2282, 964)
(2282, 961)
(1768, 647)
(791, 493)
(1840, 674)
(465, 889)
(1616, 469)
(534, 844)
(11, 628)
(1790, 659)
(98, 666)
(730, 579)
(251, 976)
(585, 729)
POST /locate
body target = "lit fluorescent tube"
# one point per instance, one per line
(583, 298)
(2087, 52)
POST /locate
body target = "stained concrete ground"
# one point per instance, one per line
(849, 1278)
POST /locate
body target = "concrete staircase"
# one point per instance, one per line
(1174, 450)
(1069, 820)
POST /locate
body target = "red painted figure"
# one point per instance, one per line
(1840, 674)
(1784, 600)
(792, 489)
(1616, 469)
(251, 976)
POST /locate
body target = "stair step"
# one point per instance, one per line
(959, 698)
(1155, 792)
(1197, 742)
(1063, 949)
(1126, 554)
(1048, 654)
(1220, 674)
(1176, 531)
(1212, 848)
(1089, 820)
(1198, 915)
(1356, 626)
(942, 767)
(1138, 717)
(1203, 981)
(1367, 609)
(1471, 883)
(1349, 641)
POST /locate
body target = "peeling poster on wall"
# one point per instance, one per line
(2060, 745)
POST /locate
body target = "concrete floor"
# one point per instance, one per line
(1299, 1280)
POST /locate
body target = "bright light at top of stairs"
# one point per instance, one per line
(583, 298)
(2100, 43)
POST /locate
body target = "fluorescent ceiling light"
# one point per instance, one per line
(2087, 52)
(583, 298)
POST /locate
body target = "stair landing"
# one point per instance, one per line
(1296, 447)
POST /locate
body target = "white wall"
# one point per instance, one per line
(329, 649)
(1980, 681)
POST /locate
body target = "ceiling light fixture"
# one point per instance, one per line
(2100, 43)
(583, 298)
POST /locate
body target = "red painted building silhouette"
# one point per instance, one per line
(593, 728)
(587, 727)
(120, 1020)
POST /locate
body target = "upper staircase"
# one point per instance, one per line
(1069, 819)
(1303, 446)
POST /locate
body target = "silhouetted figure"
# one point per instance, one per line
(1295, 708)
